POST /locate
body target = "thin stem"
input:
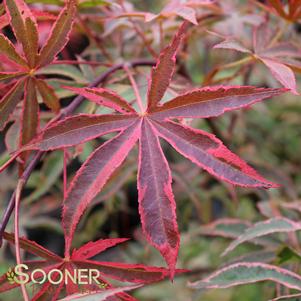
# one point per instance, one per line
(64, 113)
(135, 88)
(17, 241)
(140, 33)
(65, 171)
(73, 62)
(237, 63)
(161, 33)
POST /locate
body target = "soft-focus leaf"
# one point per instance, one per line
(232, 44)
(243, 273)
(274, 225)
(282, 73)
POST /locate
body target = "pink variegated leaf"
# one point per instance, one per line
(274, 225)
(93, 248)
(79, 129)
(282, 73)
(9, 102)
(233, 45)
(157, 206)
(8, 49)
(59, 34)
(212, 101)
(210, 154)
(225, 227)
(234, 228)
(161, 74)
(93, 175)
(104, 97)
(243, 273)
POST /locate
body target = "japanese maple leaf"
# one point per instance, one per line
(81, 259)
(25, 66)
(234, 21)
(157, 206)
(279, 58)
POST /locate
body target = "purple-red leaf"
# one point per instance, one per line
(93, 175)
(213, 101)
(135, 273)
(32, 247)
(157, 206)
(163, 71)
(79, 129)
(92, 248)
(209, 153)
(104, 97)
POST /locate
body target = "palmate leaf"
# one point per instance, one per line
(80, 259)
(24, 26)
(243, 273)
(156, 201)
(275, 57)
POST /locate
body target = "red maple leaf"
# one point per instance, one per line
(157, 206)
(24, 66)
(80, 259)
